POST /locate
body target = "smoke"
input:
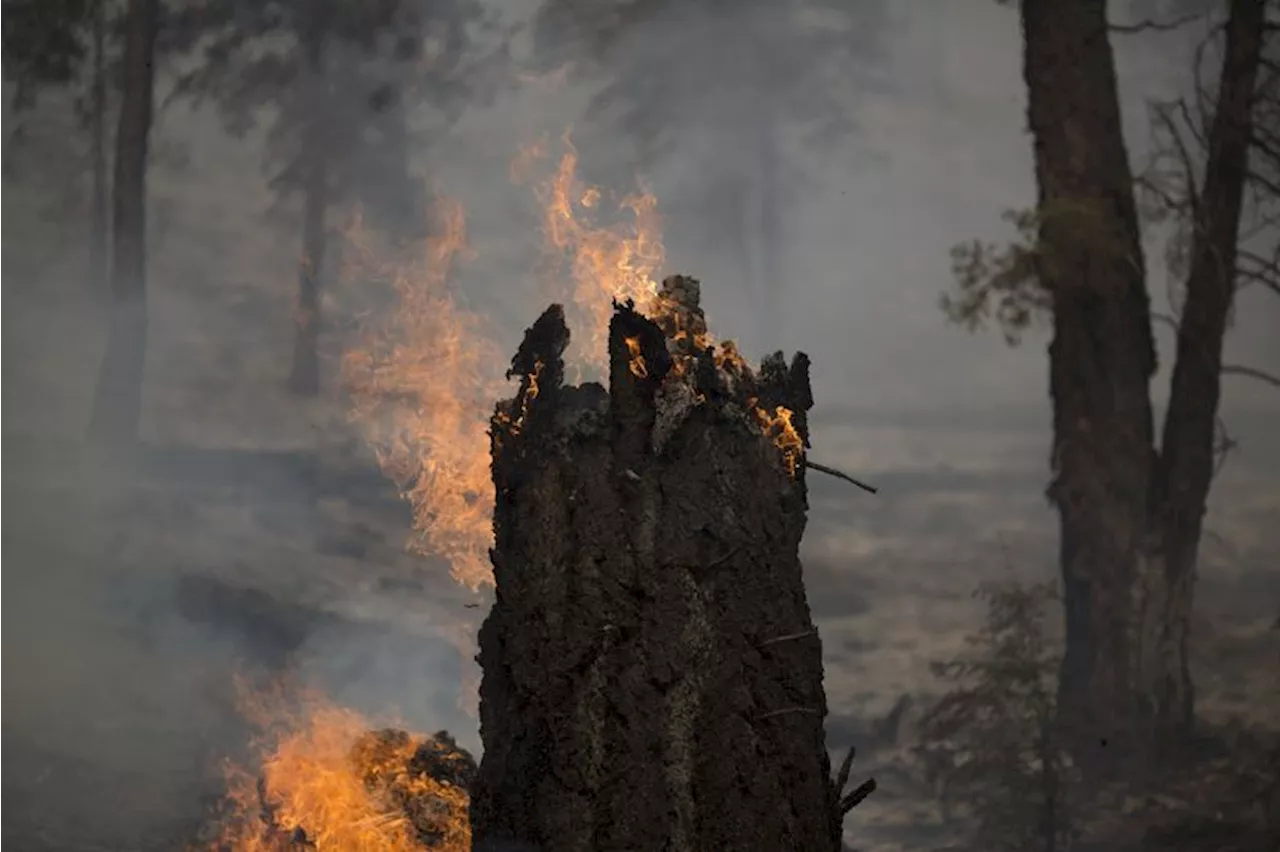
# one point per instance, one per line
(255, 535)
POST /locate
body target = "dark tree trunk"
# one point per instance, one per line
(304, 376)
(1100, 360)
(652, 677)
(1182, 483)
(1130, 517)
(97, 277)
(117, 401)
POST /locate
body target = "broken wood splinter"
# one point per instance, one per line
(787, 710)
(831, 471)
(804, 634)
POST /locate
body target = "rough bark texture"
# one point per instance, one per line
(652, 677)
(1101, 358)
(1130, 515)
(1187, 448)
(117, 402)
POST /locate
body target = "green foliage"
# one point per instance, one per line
(1010, 283)
(44, 43)
(990, 743)
(332, 78)
(999, 282)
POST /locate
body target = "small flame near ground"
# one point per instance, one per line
(325, 777)
(422, 385)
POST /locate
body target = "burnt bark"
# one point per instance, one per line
(1181, 487)
(1101, 357)
(117, 402)
(652, 676)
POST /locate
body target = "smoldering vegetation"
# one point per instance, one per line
(812, 163)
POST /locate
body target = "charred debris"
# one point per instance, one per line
(652, 677)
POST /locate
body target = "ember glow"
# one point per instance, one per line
(604, 263)
(423, 385)
(326, 777)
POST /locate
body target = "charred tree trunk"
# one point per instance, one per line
(1182, 485)
(98, 140)
(304, 376)
(1101, 357)
(652, 677)
(117, 401)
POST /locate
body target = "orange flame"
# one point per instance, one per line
(422, 387)
(636, 364)
(778, 428)
(321, 774)
(605, 263)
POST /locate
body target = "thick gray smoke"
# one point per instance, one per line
(812, 169)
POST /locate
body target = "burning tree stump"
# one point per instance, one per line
(652, 676)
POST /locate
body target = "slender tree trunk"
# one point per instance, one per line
(304, 376)
(1182, 484)
(97, 278)
(117, 402)
(1100, 360)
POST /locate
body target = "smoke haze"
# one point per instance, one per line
(260, 537)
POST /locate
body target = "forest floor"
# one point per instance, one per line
(128, 591)
(135, 598)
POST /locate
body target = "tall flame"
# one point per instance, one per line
(320, 777)
(423, 384)
(604, 263)
(422, 387)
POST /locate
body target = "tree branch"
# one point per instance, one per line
(1251, 373)
(831, 471)
(1149, 25)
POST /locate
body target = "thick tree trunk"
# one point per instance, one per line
(97, 277)
(1101, 358)
(652, 677)
(1182, 483)
(117, 402)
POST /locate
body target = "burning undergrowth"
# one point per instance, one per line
(422, 387)
(326, 780)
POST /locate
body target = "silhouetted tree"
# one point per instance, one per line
(991, 742)
(117, 401)
(64, 43)
(727, 82)
(338, 78)
(1130, 510)
(45, 43)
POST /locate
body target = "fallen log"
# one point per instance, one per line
(652, 678)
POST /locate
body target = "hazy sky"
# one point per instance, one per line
(936, 163)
